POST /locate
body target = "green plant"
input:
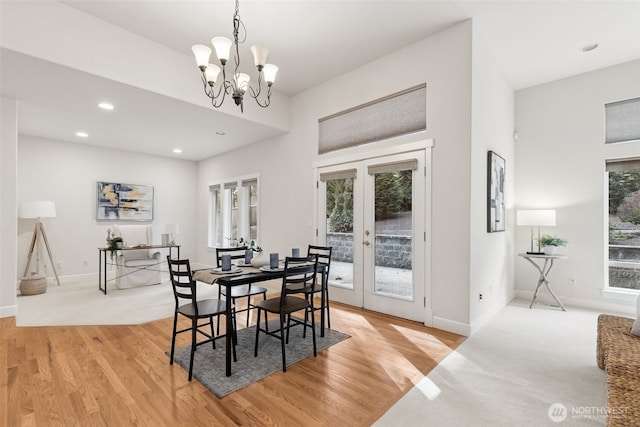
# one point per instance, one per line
(629, 209)
(115, 243)
(548, 240)
(619, 235)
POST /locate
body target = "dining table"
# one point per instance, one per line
(237, 276)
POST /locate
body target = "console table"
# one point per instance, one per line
(102, 260)
(543, 264)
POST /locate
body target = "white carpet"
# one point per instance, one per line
(80, 303)
(511, 372)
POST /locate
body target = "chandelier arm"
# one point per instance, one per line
(210, 91)
(253, 93)
(267, 100)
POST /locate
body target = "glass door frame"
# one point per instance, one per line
(345, 160)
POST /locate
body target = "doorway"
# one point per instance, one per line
(373, 213)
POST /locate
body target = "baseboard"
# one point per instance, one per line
(452, 326)
(606, 307)
(9, 311)
(86, 277)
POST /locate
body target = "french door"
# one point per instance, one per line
(373, 213)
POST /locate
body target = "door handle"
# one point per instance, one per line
(366, 243)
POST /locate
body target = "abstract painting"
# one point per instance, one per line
(495, 192)
(124, 202)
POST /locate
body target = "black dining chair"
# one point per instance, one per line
(242, 291)
(324, 263)
(188, 305)
(301, 273)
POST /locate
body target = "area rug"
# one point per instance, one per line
(209, 363)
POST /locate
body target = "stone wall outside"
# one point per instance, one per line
(391, 250)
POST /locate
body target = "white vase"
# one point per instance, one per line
(550, 250)
(260, 259)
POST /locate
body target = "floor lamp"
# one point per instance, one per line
(536, 218)
(39, 210)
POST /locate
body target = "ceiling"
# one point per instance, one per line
(312, 42)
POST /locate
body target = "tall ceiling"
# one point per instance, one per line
(312, 42)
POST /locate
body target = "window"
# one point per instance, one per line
(624, 224)
(233, 211)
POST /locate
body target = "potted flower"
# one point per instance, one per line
(550, 243)
(260, 259)
(250, 245)
(113, 243)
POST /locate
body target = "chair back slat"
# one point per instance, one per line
(299, 275)
(324, 255)
(184, 287)
(236, 253)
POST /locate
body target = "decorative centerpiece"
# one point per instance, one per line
(113, 242)
(551, 243)
(257, 260)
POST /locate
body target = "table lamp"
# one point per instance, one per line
(171, 230)
(536, 218)
(39, 210)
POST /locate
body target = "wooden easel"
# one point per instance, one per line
(37, 231)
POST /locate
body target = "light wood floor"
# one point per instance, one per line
(120, 376)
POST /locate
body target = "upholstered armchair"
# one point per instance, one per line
(137, 267)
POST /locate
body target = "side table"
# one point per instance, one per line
(543, 264)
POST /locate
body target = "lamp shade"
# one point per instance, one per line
(38, 209)
(270, 72)
(202, 53)
(538, 217)
(171, 229)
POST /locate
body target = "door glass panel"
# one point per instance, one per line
(339, 230)
(393, 238)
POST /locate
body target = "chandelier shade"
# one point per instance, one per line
(238, 85)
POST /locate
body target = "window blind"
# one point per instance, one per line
(345, 174)
(623, 165)
(394, 115)
(403, 165)
(622, 120)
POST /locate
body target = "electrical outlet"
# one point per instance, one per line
(85, 263)
(59, 265)
(572, 282)
(479, 297)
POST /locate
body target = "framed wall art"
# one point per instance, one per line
(124, 202)
(496, 215)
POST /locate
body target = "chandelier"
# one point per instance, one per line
(238, 84)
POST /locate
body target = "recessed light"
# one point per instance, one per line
(81, 134)
(589, 47)
(177, 150)
(221, 133)
(105, 106)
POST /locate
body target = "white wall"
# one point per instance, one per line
(560, 155)
(443, 61)
(67, 174)
(491, 254)
(8, 210)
